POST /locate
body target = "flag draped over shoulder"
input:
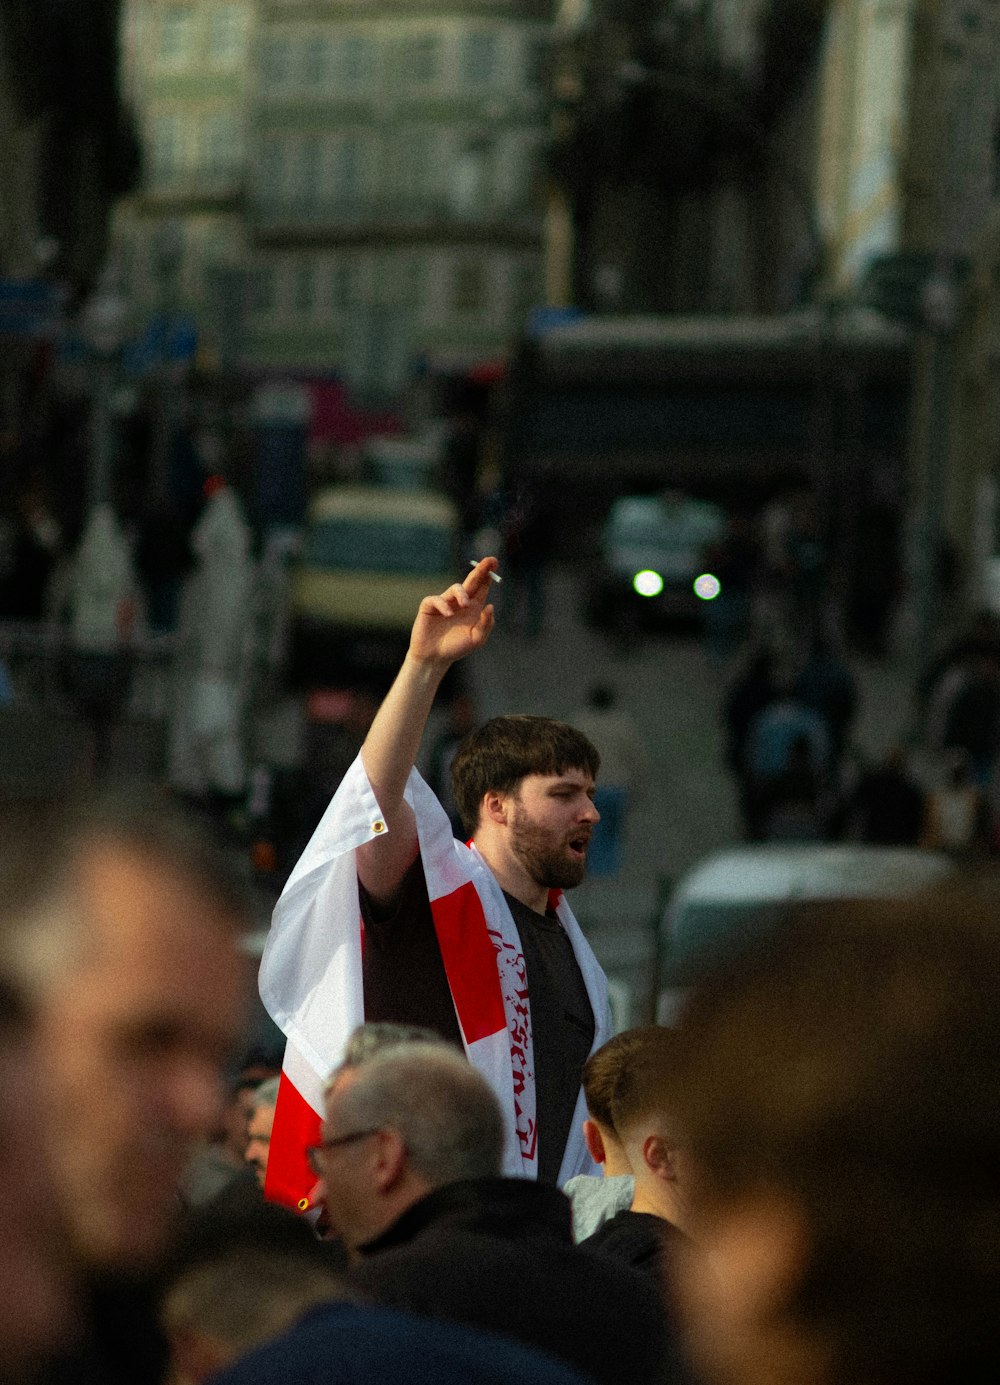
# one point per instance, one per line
(311, 979)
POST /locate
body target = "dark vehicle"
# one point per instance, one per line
(651, 571)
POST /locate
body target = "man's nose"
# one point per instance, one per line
(590, 812)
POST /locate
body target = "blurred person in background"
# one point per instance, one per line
(410, 1162)
(837, 1094)
(623, 767)
(886, 806)
(206, 754)
(220, 1161)
(957, 817)
(129, 949)
(259, 1127)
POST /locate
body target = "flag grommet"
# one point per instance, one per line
(378, 825)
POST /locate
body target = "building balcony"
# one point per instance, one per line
(286, 221)
(191, 188)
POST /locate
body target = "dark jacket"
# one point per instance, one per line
(352, 1344)
(638, 1239)
(498, 1253)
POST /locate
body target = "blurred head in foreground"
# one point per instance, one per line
(129, 930)
(36, 1304)
(239, 1279)
(838, 1097)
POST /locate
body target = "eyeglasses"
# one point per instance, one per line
(313, 1151)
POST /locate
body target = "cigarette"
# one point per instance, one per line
(494, 576)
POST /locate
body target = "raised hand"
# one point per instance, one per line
(458, 621)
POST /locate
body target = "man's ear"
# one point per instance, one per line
(594, 1141)
(658, 1156)
(494, 808)
(390, 1158)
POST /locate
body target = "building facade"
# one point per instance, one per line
(357, 185)
(684, 144)
(864, 94)
(181, 238)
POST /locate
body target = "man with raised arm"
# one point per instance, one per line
(387, 917)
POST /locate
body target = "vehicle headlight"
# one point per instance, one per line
(647, 582)
(707, 586)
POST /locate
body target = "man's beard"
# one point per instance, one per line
(543, 857)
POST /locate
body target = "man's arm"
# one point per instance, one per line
(447, 628)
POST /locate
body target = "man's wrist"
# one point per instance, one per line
(427, 667)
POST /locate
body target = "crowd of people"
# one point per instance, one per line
(798, 1181)
(789, 716)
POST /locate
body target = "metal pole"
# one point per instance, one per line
(102, 441)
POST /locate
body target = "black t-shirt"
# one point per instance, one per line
(638, 1239)
(405, 982)
(562, 1029)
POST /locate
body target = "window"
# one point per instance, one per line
(264, 290)
(343, 285)
(221, 151)
(468, 287)
(275, 63)
(167, 146)
(308, 185)
(537, 60)
(420, 60)
(271, 171)
(350, 169)
(316, 64)
(225, 34)
(356, 63)
(176, 34)
(471, 179)
(304, 289)
(479, 58)
(416, 155)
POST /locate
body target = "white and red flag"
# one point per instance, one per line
(311, 979)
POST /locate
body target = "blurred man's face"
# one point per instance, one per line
(36, 1307)
(134, 1034)
(733, 1278)
(259, 1140)
(236, 1121)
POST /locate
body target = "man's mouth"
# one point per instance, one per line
(578, 845)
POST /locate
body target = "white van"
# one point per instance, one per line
(733, 895)
(369, 556)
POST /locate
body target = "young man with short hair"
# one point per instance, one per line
(642, 1233)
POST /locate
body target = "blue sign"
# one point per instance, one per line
(28, 307)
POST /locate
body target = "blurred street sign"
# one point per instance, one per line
(28, 307)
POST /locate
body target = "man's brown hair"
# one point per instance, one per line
(603, 1071)
(496, 756)
(638, 1091)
